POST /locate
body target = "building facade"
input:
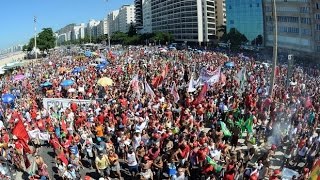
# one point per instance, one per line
(146, 16)
(113, 22)
(298, 25)
(246, 16)
(138, 14)
(186, 20)
(78, 32)
(126, 17)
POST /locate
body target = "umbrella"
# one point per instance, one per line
(105, 81)
(19, 77)
(46, 84)
(88, 54)
(230, 64)
(67, 82)
(8, 98)
(101, 66)
(78, 69)
(105, 62)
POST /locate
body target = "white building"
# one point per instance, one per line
(113, 22)
(78, 32)
(126, 17)
(187, 20)
(105, 25)
(92, 28)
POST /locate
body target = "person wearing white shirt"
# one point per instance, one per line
(132, 162)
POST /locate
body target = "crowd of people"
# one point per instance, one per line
(165, 115)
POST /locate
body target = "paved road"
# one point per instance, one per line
(48, 156)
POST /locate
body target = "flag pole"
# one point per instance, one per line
(35, 36)
(275, 46)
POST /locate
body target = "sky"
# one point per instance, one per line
(17, 25)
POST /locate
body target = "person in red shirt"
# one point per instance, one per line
(73, 106)
(202, 154)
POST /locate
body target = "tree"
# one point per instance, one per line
(258, 40)
(46, 39)
(235, 38)
(132, 31)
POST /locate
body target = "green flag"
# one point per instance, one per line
(215, 165)
(224, 129)
(249, 124)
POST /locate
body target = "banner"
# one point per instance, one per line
(64, 103)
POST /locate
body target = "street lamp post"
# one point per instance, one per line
(275, 45)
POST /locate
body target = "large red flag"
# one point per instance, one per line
(165, 71)
(157, 81)
(20, 131)
(201, 95)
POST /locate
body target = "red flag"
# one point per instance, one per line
(157, 81)
(20, 131)
(201, 95)
(165, 71)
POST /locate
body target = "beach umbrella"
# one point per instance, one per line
(19, 77)
(46, 84)
(8, 98)
(229, 64)
(67, 82)
(105, 81)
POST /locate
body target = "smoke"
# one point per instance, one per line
(280, 129)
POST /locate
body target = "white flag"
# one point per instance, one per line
(175, 93)
(192, 85)
(148, 89)
(215, 77)
(241, 78)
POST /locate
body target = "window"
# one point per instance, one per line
(318, 27)
(318, 48)
(250, 5)
(231, 21)
(317, 5)
(305, 20)
(230, 7)
(306, 32)
(317, 16)
(304, 9)
(258, 4)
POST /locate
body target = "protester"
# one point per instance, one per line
(161, 115)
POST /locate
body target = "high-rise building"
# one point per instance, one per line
(143, 16)
(92, 28)
(146, 16)
(126, 17)
(78, 32)
(221, 16)
(188, 20)
(246, 16)
(298, 25)
(113, 22)
(138, 14)
(105, 25)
